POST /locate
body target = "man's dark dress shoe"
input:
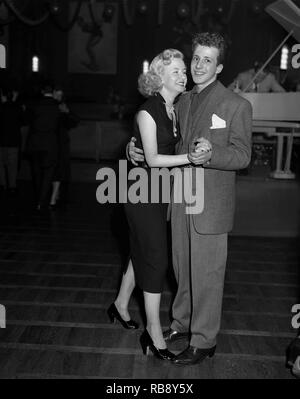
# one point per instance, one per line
(193, 355)
(172, 335)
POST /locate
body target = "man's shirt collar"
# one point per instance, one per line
(207, 89)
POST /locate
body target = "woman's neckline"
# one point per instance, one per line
(169, 114)
(164, 101)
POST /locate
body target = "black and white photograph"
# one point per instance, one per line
(150, 193)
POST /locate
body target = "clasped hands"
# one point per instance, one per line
(200, 152)
(199, 155)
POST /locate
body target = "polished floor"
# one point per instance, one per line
(59, 271)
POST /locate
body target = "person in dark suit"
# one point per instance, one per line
(214, 115)
(62, 173)
(11, 120)
(42, 143)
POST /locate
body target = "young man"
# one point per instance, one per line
(42, 143)
(221, 121)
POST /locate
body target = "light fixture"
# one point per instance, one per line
(183, 11)
(2, 56)
(145, 66)
(108, 13)
(54, 7)
(35, 64)
(143, 7)
(284, 61)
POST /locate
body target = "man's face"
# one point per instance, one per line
(204, 65)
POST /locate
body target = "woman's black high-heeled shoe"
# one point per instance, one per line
(147, 343)
(114, 315)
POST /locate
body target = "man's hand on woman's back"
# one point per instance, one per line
(134, 154)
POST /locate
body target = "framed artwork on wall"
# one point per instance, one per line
(92, 42)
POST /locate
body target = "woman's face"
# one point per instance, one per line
(174, 76)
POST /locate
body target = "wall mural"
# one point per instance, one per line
(93, 38)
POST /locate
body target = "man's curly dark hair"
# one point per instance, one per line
(211, 40)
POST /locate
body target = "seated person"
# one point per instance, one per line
(265, 82)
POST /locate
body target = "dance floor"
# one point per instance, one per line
(59, 272)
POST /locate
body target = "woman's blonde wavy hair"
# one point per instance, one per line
(150, 83)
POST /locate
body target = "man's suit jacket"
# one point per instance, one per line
(231, 150)
(44, 118)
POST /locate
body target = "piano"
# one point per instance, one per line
(277, 114)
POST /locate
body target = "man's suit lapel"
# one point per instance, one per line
(184, 112)
(203, 118)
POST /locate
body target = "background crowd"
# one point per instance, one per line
(47, 119)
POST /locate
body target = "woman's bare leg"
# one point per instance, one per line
(152, 308)
(125, 291)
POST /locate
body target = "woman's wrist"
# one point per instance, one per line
(188, 158)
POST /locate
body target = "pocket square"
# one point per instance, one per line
(217, 122)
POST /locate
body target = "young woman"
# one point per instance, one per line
(157, 133)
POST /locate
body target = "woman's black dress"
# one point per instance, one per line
(148, 222)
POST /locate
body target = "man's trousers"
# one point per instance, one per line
(199, 262)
